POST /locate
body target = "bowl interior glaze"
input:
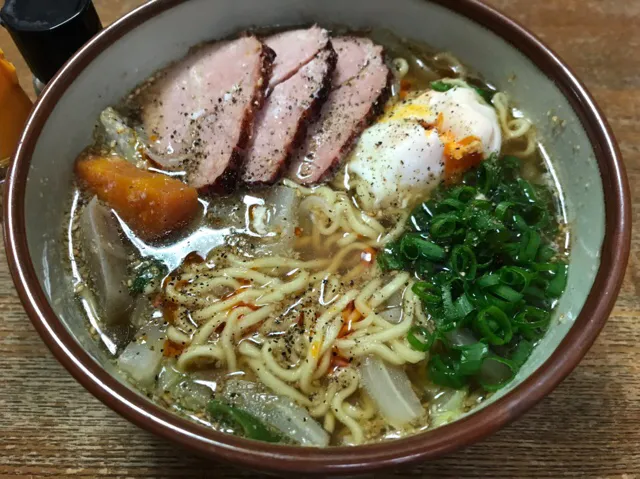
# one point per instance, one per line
(100, 76)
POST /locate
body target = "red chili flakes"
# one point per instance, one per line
(172, 349)
(170, 311)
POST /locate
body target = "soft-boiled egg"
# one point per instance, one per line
(417, 142)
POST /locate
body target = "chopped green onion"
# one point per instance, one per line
(534, 292)
(496, 372)
(503, 209)
(423, 267)
(521, 353)
(420, 218)
(390, 258)
(484, 255)
(427, 292)
(471, 357)
(494, 326)
(557, 285)
(463, 262)
(487, 95)
(242, 422)
(147, 273)
(420, 338)
(520, 223)
(549, 268)
(443, 225)
(487, 174)
(527, 190)
(463, 193)
(507, 293)
(463, 306)
(441, 86)
(531, 321)
(545, 253)
(488, 280)
(529, 247)
(445, 372)
(516, 277)
(414, 246)
(451, 204)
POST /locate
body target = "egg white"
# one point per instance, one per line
(402, 155)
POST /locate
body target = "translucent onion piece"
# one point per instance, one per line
(461, 337)
(282, 413)
(447, 406)
(282, 218)
(183, 388)
(107, 260)
(141, 358)
(124, 139)
(495, 372)
(390, 388)
(393, 315)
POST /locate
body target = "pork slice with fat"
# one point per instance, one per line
(294, 49)
(282, 123)
(198, 113)
(360, 82)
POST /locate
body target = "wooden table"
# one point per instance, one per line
(590, 426)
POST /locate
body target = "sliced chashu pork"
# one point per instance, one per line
(292, 103)
(360, 88)
(294, 49)
(199, 112)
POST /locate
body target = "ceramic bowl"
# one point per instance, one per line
(580, 145)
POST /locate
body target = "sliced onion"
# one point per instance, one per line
(393, 315)
(494, 372)
(447, 406)
(141, 358)
(461, 337)
(280, 412)
(390, 388)
(283, 202)
(165, 161)
(107, 260)
(183, 388)
(124, 139)
(168, 378)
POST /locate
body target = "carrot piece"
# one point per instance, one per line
(461, 156)
(152, 204)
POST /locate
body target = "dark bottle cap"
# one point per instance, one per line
(49, 32)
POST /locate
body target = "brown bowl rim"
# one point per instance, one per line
(261, 456)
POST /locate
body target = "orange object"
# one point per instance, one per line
(461, 156)
(152, 204)
(338, 361)
(350, 315)
(171, 349)
(15, 106)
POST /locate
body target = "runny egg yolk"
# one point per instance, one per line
(420, 141)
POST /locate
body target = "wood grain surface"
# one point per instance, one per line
(589, 427)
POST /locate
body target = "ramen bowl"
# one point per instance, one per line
(586, 164)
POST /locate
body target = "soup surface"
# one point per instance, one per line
(317, 238)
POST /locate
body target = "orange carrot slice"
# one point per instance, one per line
(152, 204)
